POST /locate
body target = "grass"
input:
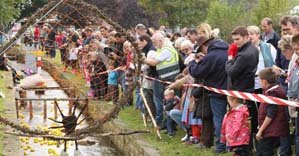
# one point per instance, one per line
(132, 119)
(4, 90)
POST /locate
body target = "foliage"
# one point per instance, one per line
(184, 13)
(10, 9)
(271, 8)
(226, 16)
(30, 8)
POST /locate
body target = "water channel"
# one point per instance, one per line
(40, 147)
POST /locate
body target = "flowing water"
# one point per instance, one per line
(40, 147)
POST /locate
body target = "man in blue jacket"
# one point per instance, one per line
(211, 69)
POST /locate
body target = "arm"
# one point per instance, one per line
(178, 83)
(222, 136)
(265, 124)
(271, 113)
(151, 62)
(235, 67)
(200, 69)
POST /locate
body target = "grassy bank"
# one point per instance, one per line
(4, 90)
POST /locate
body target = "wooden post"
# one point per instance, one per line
(45, 109)
(55, 111)
(30, 110)
(70, 107)
(22, 94)
(17, 107)
(86, 109)
(150, 113)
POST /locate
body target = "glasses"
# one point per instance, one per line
(286, 29)
(185, 50)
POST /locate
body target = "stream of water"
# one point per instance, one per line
(40, 147)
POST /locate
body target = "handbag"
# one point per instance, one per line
(202, 104)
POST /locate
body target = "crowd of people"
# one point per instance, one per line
(257, 61)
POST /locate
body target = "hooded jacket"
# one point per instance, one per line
(212, 67)
(235, 129)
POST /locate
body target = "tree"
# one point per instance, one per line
(226, 16)
(10, 9)
(183, 13)
(273, 9)
(31, 7)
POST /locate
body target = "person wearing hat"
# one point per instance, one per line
(140, 30)
(211, 70)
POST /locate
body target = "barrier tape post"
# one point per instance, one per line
(150, 113)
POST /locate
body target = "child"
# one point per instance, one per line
(272, 119)
(235, 130)
(73, 57)
(170, 101)
(112, 84)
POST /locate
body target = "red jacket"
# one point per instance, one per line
(279, 125)
(235, 127)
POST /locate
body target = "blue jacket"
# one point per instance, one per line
(212, 67)
(112, 78)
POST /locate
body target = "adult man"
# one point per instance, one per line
(167, 66)
(211, 69)
(269, 35)
(140, 30)
(286, 25)
(241, 69)
(50, 40)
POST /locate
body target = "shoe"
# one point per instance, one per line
(193, 141)
(171, 134)
(185, 138)
(162, 128)
(219, 151)
(201, 145)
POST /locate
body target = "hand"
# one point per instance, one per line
(277, 70)
(199, 57)
(142, 57)
(259, 136)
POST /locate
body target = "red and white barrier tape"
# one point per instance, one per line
(107, 71)
(242, 95)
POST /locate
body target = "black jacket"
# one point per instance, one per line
(152, 70)
(241, 70)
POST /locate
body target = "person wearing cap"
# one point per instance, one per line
(167, 66)
(211, 70)
(140, 30)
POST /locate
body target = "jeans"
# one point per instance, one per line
(297, 136)
(170, 124)
(52, 52)
(218, 107)
(158, 99)
(176, 115)
(266, 146)
(285, 146)
(139, 102)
